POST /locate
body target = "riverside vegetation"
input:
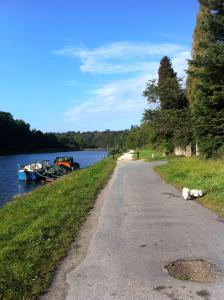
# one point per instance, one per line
(37, 229)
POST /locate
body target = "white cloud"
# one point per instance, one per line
(180, 62)
(118, 104)
(121, 57)
(69, 82)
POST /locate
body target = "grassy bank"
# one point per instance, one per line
(36, 230)
(149, 155)
(200, 174)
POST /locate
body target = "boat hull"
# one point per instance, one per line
(29, 175)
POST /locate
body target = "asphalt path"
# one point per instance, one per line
(140, 225)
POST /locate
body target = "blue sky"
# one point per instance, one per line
(83, 64)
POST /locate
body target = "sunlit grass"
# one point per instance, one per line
(199, 174)
(149, 155)
(36, 230)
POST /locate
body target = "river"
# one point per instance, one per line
(10, 185)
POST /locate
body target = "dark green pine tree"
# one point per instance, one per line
(165, 70)
(168, 85)
(208, 69)
(170, 121)
(168, 92)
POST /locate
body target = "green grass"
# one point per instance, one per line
(207, 175)
(146, 154)
(36, 230)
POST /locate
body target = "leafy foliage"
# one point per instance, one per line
(139, 136)
(135, 137)
(94, 139)
(170, 128)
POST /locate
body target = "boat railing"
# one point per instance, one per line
(35, 165)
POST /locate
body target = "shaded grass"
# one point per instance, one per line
(200, 174)
(36, 230)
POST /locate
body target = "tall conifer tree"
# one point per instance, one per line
(199, 38)
(170, 122)
(207, 68)
(168, 92)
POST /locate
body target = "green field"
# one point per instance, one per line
(36, 230)
(207, 175)
(146, 154)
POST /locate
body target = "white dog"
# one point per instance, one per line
(189, 194)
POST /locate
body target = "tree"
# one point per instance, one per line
(138, 136)
(169, 128)
(171, 110)
(95, 139)
(207, 68)
(168, 92)
(16, 136)
(199, 38)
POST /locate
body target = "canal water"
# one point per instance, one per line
(10, 185)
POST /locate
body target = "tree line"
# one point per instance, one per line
(179, 114)
(134, 137)
(94, 139)
(16, 136)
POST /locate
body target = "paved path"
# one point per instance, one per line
(143, 225)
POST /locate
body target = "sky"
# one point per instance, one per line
(82, 65)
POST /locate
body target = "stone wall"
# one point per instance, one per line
(179, 151)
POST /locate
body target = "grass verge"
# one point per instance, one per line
(36, 230)
(200, 174)
(149, 155)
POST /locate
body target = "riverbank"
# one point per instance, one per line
(37, 229)
(199, 174)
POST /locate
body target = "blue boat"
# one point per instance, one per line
(33, 171)
(43, 171)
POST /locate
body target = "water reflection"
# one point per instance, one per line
(25, 187)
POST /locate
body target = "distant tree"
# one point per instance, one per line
(94, 139)
(7, 130)
(16, 136)
(138, 136)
